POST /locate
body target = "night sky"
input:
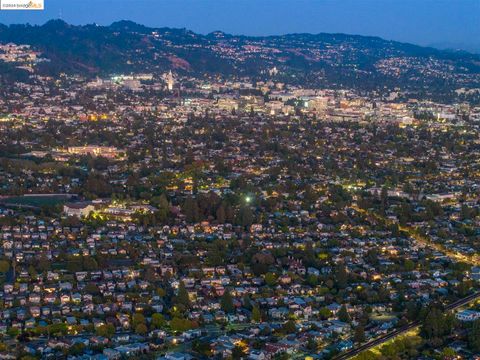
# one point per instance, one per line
(440, 23)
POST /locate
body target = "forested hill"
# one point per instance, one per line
(334, 60)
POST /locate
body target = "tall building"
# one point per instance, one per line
(170, 81)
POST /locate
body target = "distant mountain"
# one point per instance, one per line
(469, 47)
(333, 60)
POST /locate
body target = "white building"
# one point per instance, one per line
(80, 209)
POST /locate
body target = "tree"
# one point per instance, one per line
(137, 319)
(13, 332)
(270, 279)
(312, 344)
(150, 274)
(246, 216)
(256, 314)
(182, 296)
(341, 277)
(106, 330)
(190, 209)
(141, 329)
(4, 266)
(161, 292)
(76, 349)
(43, 264)
(226, 302)
(367, 355)
(202, 347)
(343, 314)
(221, 214)
(324, 313)
(247, 303)
(359, 335)
(384, 199)
(32, 272)
(161, 202)
(238, 353)
(312, 280)
(409, 265)
(179, 324)
(289, 327)
(89, 263)
(158, 321)
(437, 324)
(474, 337)
(92, 288)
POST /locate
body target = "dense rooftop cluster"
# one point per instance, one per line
(166, 216)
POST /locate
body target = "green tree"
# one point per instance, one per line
(4, 266)
(226, 302)
(76, 349)
(137, 319)
(324, 313)
(178, 324)
(158, 321)
(359, 335)
(238, 352)
(270, 279)
(343, 314)
(289, 327)
(202, 347)
(221, 214)
(437, 324)
(247, 303)
(246, 216)
(367, 355)
(474, 337)
(89, 263)
(13, 332)
(191, 210)
(106, 330)
(161, 202)
(312, 280)
(182, 296)
(161, 292)
(256, 314)
(409, 265)
(43, 264)
(141, 329)
(341, 277)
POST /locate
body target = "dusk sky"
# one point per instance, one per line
(441, 23)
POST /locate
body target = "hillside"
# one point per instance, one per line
(333, 60)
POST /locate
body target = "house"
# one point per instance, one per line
(176, 356)
(475, 274)
(257, 355)
(112, 354)
(468, 315)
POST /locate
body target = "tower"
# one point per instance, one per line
(170, 81)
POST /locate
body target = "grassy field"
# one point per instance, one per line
(38, 201)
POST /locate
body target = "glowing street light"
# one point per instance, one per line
(248, 199)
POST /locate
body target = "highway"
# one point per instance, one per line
(384, 338)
